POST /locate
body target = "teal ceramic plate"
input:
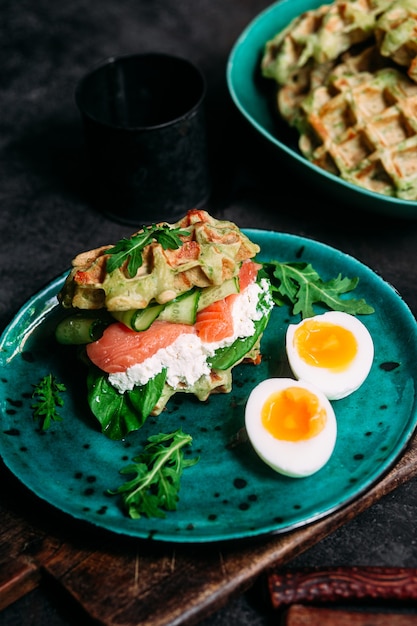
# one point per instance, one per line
(254, 97)
(229, 493)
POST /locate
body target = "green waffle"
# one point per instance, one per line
(344, 75)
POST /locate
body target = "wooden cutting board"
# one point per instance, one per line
(121, 581)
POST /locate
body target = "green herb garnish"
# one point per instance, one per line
(130, 249)
(158, 470)
(47, 395)
(301, 286)
(121, 413)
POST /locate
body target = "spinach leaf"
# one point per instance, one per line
(226, 357)
(120, 413)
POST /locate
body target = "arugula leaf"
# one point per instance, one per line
(300, 285)
(47, 395)
(157, 473)
(121, 413)
(130, 249)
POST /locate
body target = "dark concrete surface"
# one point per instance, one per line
(46, 216)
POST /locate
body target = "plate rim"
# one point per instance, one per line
(391, 204)
(396, 453)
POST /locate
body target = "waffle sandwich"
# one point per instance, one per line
(346, 81)
(171, 309)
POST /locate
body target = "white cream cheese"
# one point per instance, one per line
(186, 358)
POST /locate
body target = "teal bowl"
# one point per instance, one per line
(254, 99)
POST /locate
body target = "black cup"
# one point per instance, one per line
(144, 125)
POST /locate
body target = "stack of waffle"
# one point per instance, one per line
(347, 81)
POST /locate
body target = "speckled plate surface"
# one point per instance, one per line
(229, 493)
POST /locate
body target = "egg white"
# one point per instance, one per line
(334, 384)
(291, 458)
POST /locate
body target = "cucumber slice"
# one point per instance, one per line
(218, 292)
(139, 319)
(80, 329)
(182, 310)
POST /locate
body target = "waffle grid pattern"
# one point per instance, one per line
(347, 81)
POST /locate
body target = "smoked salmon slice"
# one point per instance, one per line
(215, 322)
(120, 347)
(248, 273)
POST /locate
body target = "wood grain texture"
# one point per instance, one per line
(120, 581)
(311, 616)
(17, 578)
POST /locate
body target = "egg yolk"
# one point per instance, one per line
(293, 414)
(323, 344)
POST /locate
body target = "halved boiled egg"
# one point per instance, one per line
(291, 426)
(333, 351)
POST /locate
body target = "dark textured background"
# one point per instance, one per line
(46, 216)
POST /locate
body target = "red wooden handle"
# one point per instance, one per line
(342, 583)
